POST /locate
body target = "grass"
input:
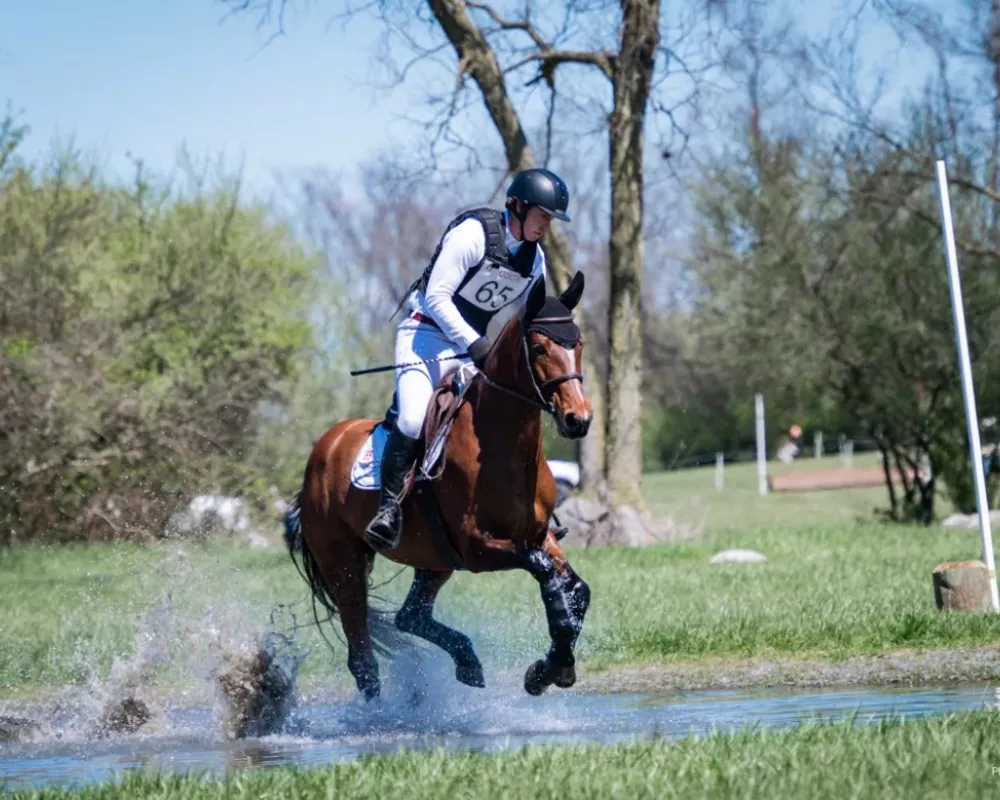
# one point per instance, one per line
(690, 496)
(832, 588)
(953, 756)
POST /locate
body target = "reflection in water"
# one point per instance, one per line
(465, 718)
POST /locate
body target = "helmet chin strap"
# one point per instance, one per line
(521, 210)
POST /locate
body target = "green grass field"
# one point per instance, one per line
(836, 584)
(833, 587)
(956, 756)
(690, 496)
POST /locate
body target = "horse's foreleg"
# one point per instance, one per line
(416, 617)
(559, 665)
(576, 588)
(564, 595)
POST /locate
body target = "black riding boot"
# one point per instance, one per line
(386, 529)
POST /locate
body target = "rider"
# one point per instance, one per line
(485, 261)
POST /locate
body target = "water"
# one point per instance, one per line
(187, 739)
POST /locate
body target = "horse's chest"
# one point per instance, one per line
(506, 496)
(494, 476)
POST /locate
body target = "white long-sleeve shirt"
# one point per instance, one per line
(463, 247)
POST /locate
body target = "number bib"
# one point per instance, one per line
(493, 287)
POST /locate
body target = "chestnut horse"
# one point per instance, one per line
(494, 499)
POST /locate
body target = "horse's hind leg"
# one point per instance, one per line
(416, 617)
(345, 564)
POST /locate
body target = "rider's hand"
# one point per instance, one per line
(478, 351)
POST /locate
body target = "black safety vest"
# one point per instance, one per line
(495, 282)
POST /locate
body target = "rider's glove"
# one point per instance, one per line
(478, 351)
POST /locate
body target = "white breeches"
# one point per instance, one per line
(415, 385)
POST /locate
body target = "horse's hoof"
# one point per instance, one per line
(564, 677)
(471, 675)
(536, 678)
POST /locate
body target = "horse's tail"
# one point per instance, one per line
(385, 636)
(298, 550)
(293, 527)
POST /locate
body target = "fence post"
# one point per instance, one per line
(761, 446)
(968, 389)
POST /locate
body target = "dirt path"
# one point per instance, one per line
(901, 668)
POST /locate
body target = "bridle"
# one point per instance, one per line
(538, 401)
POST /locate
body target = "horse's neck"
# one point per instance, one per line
(509, 420)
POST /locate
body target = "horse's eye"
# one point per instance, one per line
(538, 350)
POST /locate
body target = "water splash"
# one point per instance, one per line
(257, 682)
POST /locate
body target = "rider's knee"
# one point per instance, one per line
(409, 423)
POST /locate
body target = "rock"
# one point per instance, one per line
(581, 510)
(594, 524)
(738, 556)
(255, 540)
(969, 521)
(628, 528)
(209, 514)
(961, 586)
(18, 729)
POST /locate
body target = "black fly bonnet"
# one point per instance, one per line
(553, 318)
(555, 321)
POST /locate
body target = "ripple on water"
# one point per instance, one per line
(187, 739)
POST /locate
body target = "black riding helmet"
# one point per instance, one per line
(542, 188)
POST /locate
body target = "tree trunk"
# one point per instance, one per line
(633, 71)
(592, 453)
(476, 57)
(887, 469)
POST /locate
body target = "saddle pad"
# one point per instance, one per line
(367, 467)
(365, 472)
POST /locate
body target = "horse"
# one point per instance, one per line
(488, 508)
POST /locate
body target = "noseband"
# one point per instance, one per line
(538, 401)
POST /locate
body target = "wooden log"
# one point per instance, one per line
(814, 480)
(962, 586)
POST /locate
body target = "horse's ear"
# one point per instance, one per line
(536, 299)
(573, 292)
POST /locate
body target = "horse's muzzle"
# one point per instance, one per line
(573, 426)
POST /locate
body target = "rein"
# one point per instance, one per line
(539, 400)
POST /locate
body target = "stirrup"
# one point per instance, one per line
(389, 516)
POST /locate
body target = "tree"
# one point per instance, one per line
(143, 329)
(491, 47)
(821, 271)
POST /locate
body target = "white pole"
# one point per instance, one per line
(719, 467)
(968, 392)
(761, 446)
(818, 444)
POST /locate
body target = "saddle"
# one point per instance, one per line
(442, 411)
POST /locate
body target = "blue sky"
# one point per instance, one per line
(146, 75)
